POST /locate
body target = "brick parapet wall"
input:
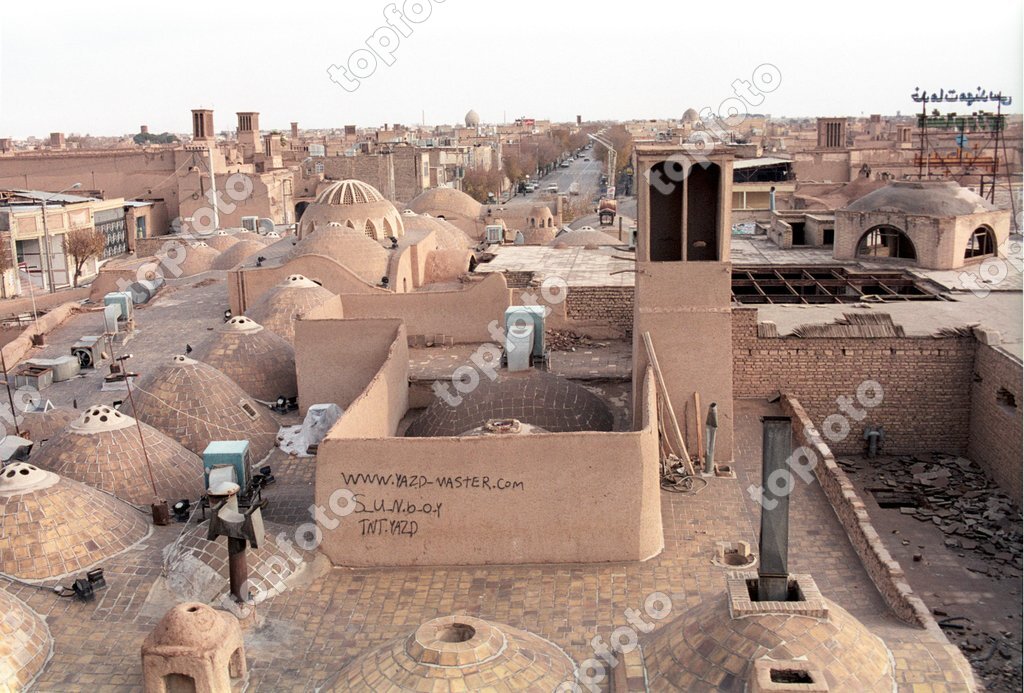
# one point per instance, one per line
(926, 383)
(612, 305)
(885, 572)
(996, 425)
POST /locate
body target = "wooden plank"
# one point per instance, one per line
(684, 454)
(700, 430)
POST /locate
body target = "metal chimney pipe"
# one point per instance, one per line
(711, 430)
(773, 566)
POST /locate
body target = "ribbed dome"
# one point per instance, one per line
(363, 256)
(458, 653)
(195, 404)
(354, 204)
(191, 259)
(259, 361)
(197, 568)
(193, 625)
(51, 526)
(279, 306)
(584, 237)
(447, 203)
(25, 644)
(472, 119)
(534, 397)
(102, 448)
(238, 252)
(713, 647)
(937, 199)
(349, 192)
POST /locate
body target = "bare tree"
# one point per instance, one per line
(479, 181)
(81, 245)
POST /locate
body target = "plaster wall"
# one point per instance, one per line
(543, 498)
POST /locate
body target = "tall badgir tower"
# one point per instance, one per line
(683, 283)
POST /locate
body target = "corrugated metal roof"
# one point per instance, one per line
(761, 161)
(41, 195)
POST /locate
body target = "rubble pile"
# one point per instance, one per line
(996, 658)
(567, 340)
(954, 494)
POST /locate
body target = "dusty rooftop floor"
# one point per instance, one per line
(311, 631)
(316, 628)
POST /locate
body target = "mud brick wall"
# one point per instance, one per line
(995, 431)
(926, 383)
(517, 280)
(612, 305)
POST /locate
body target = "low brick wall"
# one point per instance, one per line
(16, 349)
(611, 305)
(925, 382)
(518, 280)
(882, 568)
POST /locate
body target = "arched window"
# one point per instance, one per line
(350, 225)
(388, 232)
(370, 230)
(982, 242)
(886, 242)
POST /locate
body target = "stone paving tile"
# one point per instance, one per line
(611, 362)
(313, 630)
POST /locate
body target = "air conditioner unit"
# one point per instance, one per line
(495, 234)
(517, 316)
(266, 225)
(123, 299)
(251, 224)
(88, 350)
(227, 453)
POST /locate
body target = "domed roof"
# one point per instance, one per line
(40, 426)
(220, 240)
(197, 568)
(449, 236)
(25, 644)
(540, 212)
(472, 119)
(190, 258)
(238, 252)
(539, 235)
(927, 198)
(458, 653)
(195, 404)
(715, 645)
(533, 397)
(259, 361)
(362, 255)
(194, 626)
(690, 115)
(278, 307)
(355, 204)
(446, 265)
(446, 202)
(584, 237)
(51, 526)
(102, 448)
(349, 192)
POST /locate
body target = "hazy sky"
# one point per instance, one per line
(73, 68)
